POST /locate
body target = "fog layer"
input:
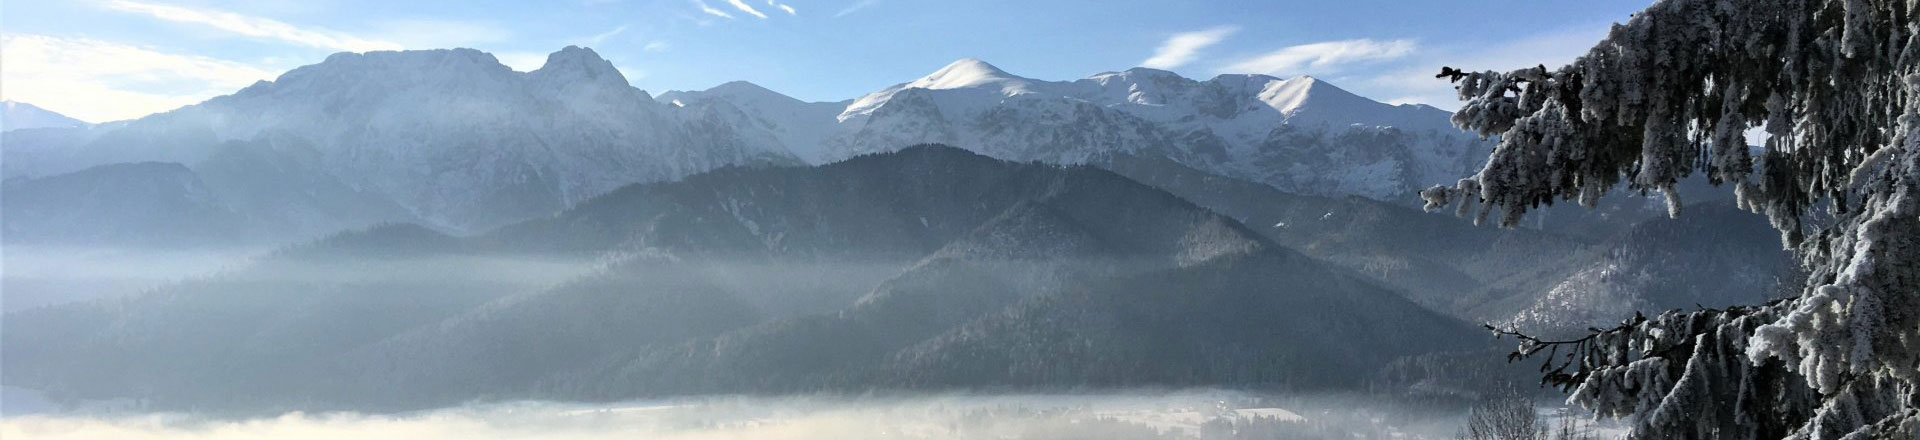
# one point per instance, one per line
(1153, 415)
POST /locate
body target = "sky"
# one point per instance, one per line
(104, 60)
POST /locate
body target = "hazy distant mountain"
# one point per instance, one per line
(1594, 267)
(1266, 319)
(148, 203)
(1713, 255)
(243, 193)
(281, 192)
(1436, 259)
(15, 115)
(908, 269)
(264, 334)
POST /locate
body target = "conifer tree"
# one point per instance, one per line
(1672, 92)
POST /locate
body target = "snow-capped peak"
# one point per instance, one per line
(1293, 94)
(965, 73)
(1138, 74)
(448, 69)
(575, 63)
(747, 92)
(1308, 100)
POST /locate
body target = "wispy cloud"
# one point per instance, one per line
(102, 81)
(783, 7)
(744, 7)
(855, 7)
(1323, 57)
(1180, 49)
(656, 46)
(257, 27)
(603, 36)
(709, 10)
(631, 74)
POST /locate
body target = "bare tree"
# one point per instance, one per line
(1505, 414)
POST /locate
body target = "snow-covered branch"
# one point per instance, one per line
(1673, 92)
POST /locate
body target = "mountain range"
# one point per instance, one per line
(463, 143)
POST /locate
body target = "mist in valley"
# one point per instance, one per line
(1135, 415)
(38, 276)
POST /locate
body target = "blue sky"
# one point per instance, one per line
(102, 60)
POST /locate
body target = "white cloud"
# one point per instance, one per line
(523, 61)
(101, 81)
(253, 26)
(784, 6)
(1165, 414)
(709, 10)
(656, 46)
(855, 7)
(1181, 48)
(744, 7)
(603, 36)
(1322, 57)
(631, 74)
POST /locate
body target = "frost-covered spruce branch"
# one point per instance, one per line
(1836, 85)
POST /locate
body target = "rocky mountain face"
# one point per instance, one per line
(930, 267)
(147, 203)
(1714, 255)
(1621, 257)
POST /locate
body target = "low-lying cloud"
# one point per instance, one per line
(1179, 415)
